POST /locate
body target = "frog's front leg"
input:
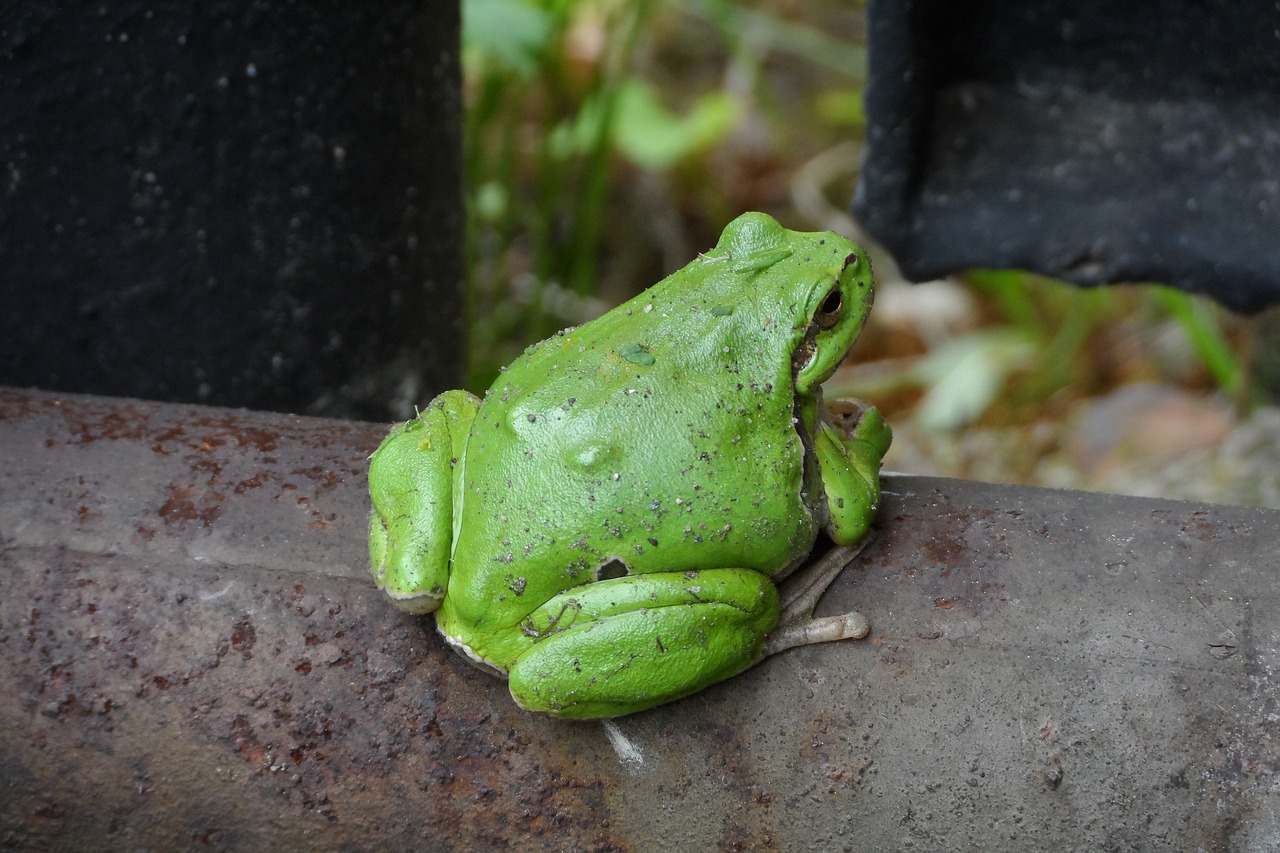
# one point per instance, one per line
(850, 442)
(627, 644)
(411, 477)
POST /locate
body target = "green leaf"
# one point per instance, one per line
(512, 31)
(490, 201)
(1199, 321)
(654, 137)
(842, 108)
(965, 375)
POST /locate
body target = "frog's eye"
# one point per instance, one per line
(830, 310)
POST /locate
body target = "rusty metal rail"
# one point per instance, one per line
(194, 657)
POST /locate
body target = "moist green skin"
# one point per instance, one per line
(606, 525)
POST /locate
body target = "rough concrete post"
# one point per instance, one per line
(233, 202)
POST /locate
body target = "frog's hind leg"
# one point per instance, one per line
(631, 643)
(411, 478)
(799, 595)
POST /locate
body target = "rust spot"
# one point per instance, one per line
(326, 478)
(1200, 526)
(246, 740)
(252, 482)
(943, 550)
(15, 405)
(182, 506)
(243, 636)
(953, 555)
(207, 466)
(319, 523)
(33, 622)
(262, 440)
(126, 423)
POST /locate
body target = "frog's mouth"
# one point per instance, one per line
(825, 318)
(804, 353)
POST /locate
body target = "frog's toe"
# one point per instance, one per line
(827, 629)
(799, 595)
(874, 430)
(860, 421)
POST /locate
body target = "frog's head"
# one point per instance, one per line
(823, 281)
(836, 306)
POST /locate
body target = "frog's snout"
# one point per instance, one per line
(857, 272)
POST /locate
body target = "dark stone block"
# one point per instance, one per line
(1095, 142)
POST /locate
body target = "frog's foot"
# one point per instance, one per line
(799, 595)
(860, 421)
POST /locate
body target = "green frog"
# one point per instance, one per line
(607, 527)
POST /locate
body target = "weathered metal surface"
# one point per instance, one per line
(194, 657)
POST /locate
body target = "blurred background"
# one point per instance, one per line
(608, 141)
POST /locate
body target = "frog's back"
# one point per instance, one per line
(659, 437)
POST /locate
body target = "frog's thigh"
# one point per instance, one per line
(411, 484)
(643, 640)
(851, 479)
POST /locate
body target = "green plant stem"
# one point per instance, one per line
(1201, 326)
